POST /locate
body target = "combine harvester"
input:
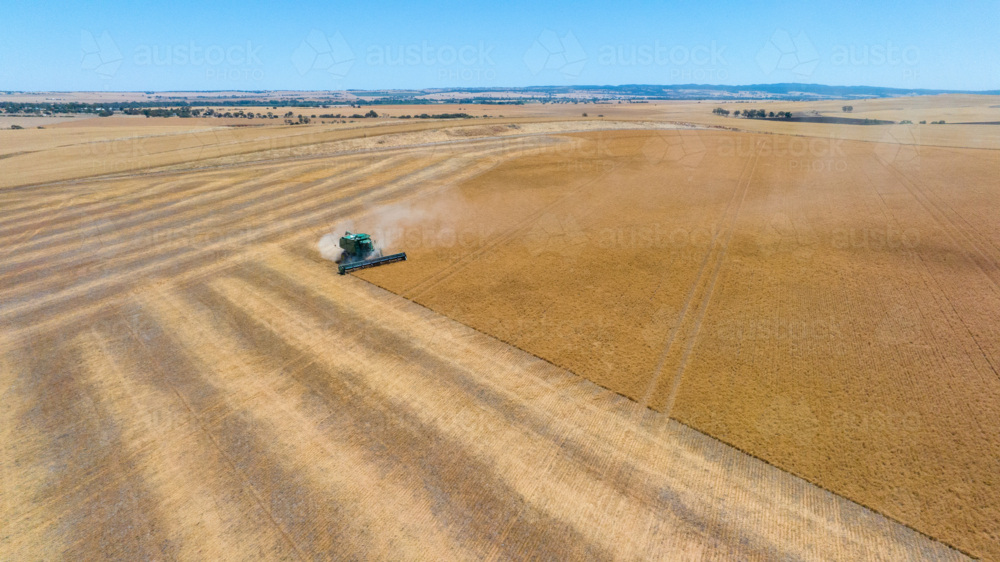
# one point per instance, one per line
(360, 253)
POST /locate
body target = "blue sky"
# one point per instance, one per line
(109, 45)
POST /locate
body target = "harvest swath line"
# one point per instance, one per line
(244, 190)
(192, 212)
(118, 391)
(235, 212)
(199, 190)
(300, 332)
(231, 372)
(43, 209)
(199, 423)
(271, 214)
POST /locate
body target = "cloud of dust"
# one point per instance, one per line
(329, 247)
(388, 224)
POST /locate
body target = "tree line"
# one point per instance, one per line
(754, 113)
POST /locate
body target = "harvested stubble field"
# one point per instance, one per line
(184, 377)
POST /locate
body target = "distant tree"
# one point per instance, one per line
(771, 115)
(736, 113)
(923, 122)
(848, 108)
(371, 114)
(584, 114)
(16, 127)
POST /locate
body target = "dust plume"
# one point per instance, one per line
(393, 226)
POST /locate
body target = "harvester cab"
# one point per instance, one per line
(360, 253)
(358, 246)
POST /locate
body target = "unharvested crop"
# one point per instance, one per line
(829, 306)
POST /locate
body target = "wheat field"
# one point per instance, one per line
(183, 375)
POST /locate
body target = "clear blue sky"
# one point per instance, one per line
(253, 45)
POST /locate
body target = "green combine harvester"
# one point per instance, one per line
(359, 253)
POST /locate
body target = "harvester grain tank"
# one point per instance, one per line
(359, 252)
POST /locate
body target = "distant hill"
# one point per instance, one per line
(701, 91)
